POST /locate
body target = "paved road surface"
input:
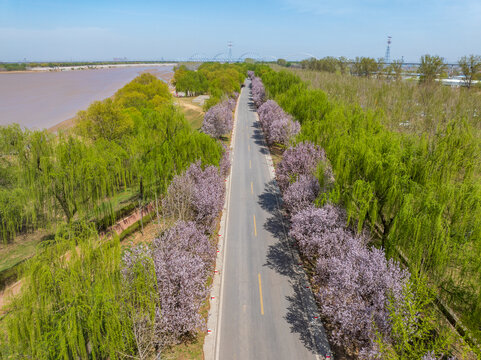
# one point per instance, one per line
(266, 311)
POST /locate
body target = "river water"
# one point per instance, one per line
(44, 99)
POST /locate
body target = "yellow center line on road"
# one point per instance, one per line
(249, 147)
(260, 294)
(255, 228)
(250, 164)
(252, 188)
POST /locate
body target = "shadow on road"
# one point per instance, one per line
(268, 199)
(280, 259)
(258, 137)
(297, 319)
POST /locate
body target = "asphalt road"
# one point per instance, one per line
(266, 310)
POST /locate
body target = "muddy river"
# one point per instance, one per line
(43, 99)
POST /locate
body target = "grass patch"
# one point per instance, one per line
(192, 350)
(25, 246)
(193, 111)
(194, 118)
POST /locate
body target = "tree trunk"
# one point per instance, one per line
(386, 227)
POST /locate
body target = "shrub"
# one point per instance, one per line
(355, 283)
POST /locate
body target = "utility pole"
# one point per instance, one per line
(229, 45)
(387, 57)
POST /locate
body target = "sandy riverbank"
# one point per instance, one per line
(82, 67)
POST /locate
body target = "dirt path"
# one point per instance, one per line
(187, 105)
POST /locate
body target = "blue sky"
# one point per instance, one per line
(145, 29)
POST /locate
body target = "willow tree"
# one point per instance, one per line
(103, 120)
(87, 309)
(420, 193)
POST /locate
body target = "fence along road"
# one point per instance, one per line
(267, 310)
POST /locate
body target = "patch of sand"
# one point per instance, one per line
(64, 125)
(7, 294)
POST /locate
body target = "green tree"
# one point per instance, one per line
(365, 66)
(80, 306)
(328, 64)
(431, 67)
(11, 213)
(343, 64)
(281, 62)
(414, 329)
(191, 82)
(470, 67)
(104, 120)
(396, 68)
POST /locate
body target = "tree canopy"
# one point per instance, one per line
(431, 67)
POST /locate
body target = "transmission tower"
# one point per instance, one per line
(229, 45)
(387, 57)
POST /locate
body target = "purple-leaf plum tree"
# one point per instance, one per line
(301, 194)
(258, 91)
(197, 195)
(301, 159)
(183, 256)
(218, 120)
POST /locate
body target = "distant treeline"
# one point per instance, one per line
(216, 79)
(25, 66)
(430, 67)
(13, 67)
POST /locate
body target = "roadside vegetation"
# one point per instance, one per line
(406, 107)
(219, 81)
(429, 68)
(366, 201)
(84, 295)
